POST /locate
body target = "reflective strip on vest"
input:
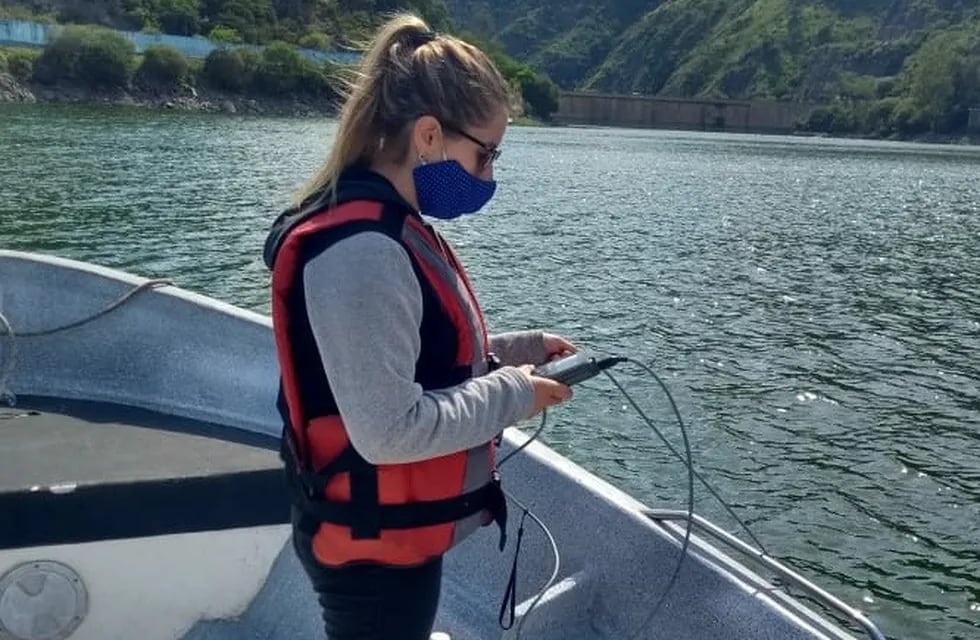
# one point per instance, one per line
(445, 277)
(327, 436)
(438, 269)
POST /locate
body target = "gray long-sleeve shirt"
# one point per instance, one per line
(365, 308)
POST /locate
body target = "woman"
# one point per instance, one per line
(392, 391)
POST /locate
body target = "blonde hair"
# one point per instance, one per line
(409, 71)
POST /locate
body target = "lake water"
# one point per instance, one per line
(814, 306)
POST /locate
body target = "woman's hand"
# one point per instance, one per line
(547, 392)
(557, 346)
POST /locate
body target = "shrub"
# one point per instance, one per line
(541, 96)
(881, 116)
(227, 69)
(282, 70)
(908, 119)
(163, 66)
(315, 40)
(838, 118)
(20, 63)
(222, 33)
(87, 55)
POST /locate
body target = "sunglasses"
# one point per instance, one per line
(488, 152)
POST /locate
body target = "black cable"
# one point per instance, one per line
(508, 607)
(609, 362)
(534, 436)
(511, 593)
(554, 571)
(697, 475)
(604, 365)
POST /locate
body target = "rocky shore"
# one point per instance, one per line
(183, 99)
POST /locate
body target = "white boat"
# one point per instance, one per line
(141, 497)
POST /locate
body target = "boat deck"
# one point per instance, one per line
(115, 471)
(125, 479)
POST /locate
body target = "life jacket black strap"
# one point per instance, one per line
(348, 461)
(367, 518)
(315, 483)
(364, 516)
(509, 605)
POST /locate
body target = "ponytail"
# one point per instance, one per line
(406, 72)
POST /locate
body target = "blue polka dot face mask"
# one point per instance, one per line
(446, 190)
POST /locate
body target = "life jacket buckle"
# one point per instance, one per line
(493, 362)
(496, 504)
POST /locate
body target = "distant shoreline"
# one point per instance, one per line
(187, 99)
(200, 100)
(926, 138)
(211, 101)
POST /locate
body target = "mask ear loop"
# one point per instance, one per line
(442, 135)
(445, 156)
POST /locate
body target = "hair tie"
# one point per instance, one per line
(418, 39)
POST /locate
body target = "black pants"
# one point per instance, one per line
(370, 602)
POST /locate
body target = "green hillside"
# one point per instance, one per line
(314, 23)
(908, 65)
(322, 24)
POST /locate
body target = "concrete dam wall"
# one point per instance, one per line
(604, 109)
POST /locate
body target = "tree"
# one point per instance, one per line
(20, 63)
(280, 69)
(163, 67)
(932, 85)
(227, 69)
(283, 71)
(315, 40)
(541, 96)
(222, 33)
(87, 55)
(253, 19)
(179, 17)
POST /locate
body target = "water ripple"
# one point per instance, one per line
(813, 305)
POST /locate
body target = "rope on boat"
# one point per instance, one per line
(7, 369)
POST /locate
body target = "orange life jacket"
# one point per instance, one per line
(391, 514)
